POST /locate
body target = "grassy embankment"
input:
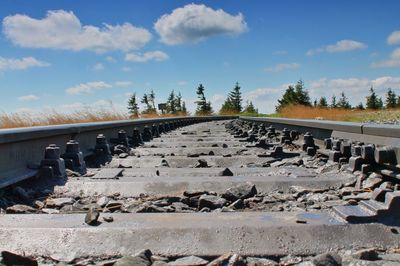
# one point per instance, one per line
(15, 120)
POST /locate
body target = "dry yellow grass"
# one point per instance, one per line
(25, 119)
(304, 112)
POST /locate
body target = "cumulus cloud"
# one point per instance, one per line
(148, 56)
(89, 87)
(281, 67)
(394, 38)
(123, 83)
(393, 61)
(338, 47)
(63, 30)
(193, 23)
(20, 64)
(28, 98)
(356, 89)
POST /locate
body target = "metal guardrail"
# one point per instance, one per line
(22, 149)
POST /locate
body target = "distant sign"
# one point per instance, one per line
(162, 106)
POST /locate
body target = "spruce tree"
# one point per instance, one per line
(391, 99)
(235, 98)
(178, 102)
(360, 106)
(343, 102)
(296, 95)
(133, 106)
(302, 95)
(322, 103)
(372, 100)
(171, 103)
(203, 107)
(249, 108)
(333, 102)
(184, 110)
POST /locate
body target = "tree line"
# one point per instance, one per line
(298, 95)
(175, 105)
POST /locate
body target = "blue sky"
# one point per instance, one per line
(66, 55)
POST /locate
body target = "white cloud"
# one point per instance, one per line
(356, 89)
(340, 46)
(216, 101)
(193, 23)
(280, 67)
(98, 67)
(20, 64)
(393, 61)
(63, 30)
(148, 56)
(123, 83)
(28, 98)
(88, 87)
(394, 38)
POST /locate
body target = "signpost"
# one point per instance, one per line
(162, 107)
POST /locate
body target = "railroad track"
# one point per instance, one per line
(198, 191)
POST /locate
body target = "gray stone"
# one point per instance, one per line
(20, 208)
(328, 259)
(102, 201)
(211, 201)
(238, 204)
(221, 260)
(59, 202)
(372, 181)
(123, 155)
(159, 263)
(50, 211)
(92, 216)
(201, 164)
(131, 260)
(147, 207)
(252, 261)
(387, 185)
(189, 261)
(236, 260)
(290, 260)
(9, 258)
(226, 172)
(365, 254)
(240, 191)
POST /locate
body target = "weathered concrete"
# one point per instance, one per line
(65, 237)
(135, 186)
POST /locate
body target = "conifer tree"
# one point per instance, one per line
(296, 95)
(133, 107)
(333, 102)
(373, 102)
(203, 107)
(235, 98)
(322, 103)
(171, 103)
(391, 99)
(249, 108)
(343, 102)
